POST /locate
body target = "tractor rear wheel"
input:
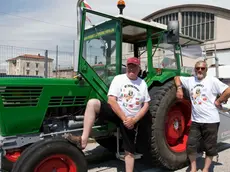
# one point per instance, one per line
(165, 128)
(51, 155)
(6, 164)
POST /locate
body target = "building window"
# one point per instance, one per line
(131, 47)
(166, 18)
(37, 65)
(36, 72)
(198, 25)
(27, 72)
(27, 64)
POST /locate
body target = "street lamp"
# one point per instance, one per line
(121, 5)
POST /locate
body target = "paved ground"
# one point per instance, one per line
(102, 161)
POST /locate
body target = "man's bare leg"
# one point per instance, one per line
(193, 162)
(208, 162)
(129, 162)
(92, 108)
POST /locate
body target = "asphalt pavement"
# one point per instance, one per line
(100, 160)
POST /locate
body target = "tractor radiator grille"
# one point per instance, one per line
(20, 96)
(67, 100)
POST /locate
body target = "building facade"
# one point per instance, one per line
(29, 65)
(204, 22)
(64, 73)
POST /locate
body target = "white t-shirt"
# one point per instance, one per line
(203, 95)
(131, 94)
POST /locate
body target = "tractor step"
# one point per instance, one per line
(121, 156)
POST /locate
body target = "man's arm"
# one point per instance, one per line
(177, 81)
(145, 106)
(142, 112)
(112, 100)
(224, 96)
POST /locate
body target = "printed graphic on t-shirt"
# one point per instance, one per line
(130, 97)
(198, 94)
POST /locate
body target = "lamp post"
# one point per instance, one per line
(121, 6)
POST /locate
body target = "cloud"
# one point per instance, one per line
(58, 28)
(26, 32)
(59, 13)
(55, 20)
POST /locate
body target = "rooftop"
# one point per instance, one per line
(29, 56)
(203, 6)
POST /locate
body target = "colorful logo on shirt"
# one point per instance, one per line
(130, 96)
(198, 95)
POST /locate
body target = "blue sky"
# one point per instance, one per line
(55, 20)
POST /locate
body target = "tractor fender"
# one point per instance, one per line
(162, 78)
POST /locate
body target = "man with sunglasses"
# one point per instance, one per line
(128, 102)
(203, 91)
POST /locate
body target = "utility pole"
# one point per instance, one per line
(46, 64)
(56, 61)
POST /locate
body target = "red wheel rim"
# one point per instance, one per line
(177, 125)
(13, 156)
(57, 163)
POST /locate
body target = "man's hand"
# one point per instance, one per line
(116, 108)
(129, 122)
(179, 93)
(218, 104)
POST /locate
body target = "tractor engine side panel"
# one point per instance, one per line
(24, 108)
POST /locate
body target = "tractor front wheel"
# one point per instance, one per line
(55, 154)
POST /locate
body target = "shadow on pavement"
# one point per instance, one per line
(201, 160)
(101, 159)
(200, 165)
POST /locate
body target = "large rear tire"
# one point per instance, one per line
(49, 155)
(7, 164)
(165, 128)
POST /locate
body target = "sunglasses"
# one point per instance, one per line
(200, 68)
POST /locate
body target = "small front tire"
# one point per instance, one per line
(49, 155)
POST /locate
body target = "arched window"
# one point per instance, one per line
(198, 25)
(166, 18)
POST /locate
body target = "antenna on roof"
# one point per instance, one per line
(121, 6)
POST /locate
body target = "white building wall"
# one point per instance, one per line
(222, 41)
(21, 67)
(222, 32)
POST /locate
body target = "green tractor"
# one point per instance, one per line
(36, 112)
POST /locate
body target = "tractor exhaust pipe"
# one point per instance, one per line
(77, 42)
(78, 18)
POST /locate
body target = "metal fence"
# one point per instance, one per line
(32, 62)
(21, 61)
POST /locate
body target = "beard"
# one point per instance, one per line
(200, 76)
